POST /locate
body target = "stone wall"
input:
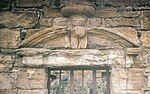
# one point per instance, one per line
(35, 35)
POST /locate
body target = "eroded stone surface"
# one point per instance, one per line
(9, 38)
(44, 91)
(117, 22)
(29, 3)
(32, 79)
(78, 21)
(46, 22)
(135, 79)
(8, 81)
(146, 39)
(106, 13)
(60, 22)
(14, 20)
(145, 21)
(6, 62)
(14, 91)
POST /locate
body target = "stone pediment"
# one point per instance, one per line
(82, 37)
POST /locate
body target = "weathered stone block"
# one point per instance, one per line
(8, 81)
(135, 79)
(128, 92)
(51, 13)
(30, 3)
(127, 22)
(130, 14)
(94, 22)
(8, 91)
(78, 21)
(117, 3)
(14, 20)
(32, 79)
(60, 22)
(77, 9)
(33, 60)
(9, 38)
(142, 60)
(148, 80)
(118, 80)
(46, 22)
(145, 22)
(8, 19)
(6, 62)
(145, 38)
(33, 91)
(106, 13)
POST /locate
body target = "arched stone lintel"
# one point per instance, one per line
(125, 34)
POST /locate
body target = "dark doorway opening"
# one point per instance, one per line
(79, 80)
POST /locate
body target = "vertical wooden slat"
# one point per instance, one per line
(71, 81)
(82, 81)
(94, 81)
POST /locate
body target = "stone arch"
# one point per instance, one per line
(83, 37)
(112, 38)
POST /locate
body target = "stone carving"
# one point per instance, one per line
(81, 37)
(78, 37)
(46, 38)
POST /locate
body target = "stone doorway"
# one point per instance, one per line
(79, 80)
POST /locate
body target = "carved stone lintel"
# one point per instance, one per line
(64, 58)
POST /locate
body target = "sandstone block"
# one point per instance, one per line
(32, 79)
(51, 13)
(8, 81)
(33, 60)
(106, 13)
(8, 91)
(130, 14)
(6, 62)
(9, 38)
(60, 22)
(30, 3)
(24, 20)
(128, 92)
(94, 22)
(46, 22)
(127, 22)
(145, 21)
(78, 21)
(33, 91)
(117, 3)
(118, 78)
(135, 79)
(145, 38)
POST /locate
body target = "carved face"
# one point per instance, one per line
(78, 31)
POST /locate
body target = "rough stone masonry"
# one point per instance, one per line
(40, 34)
